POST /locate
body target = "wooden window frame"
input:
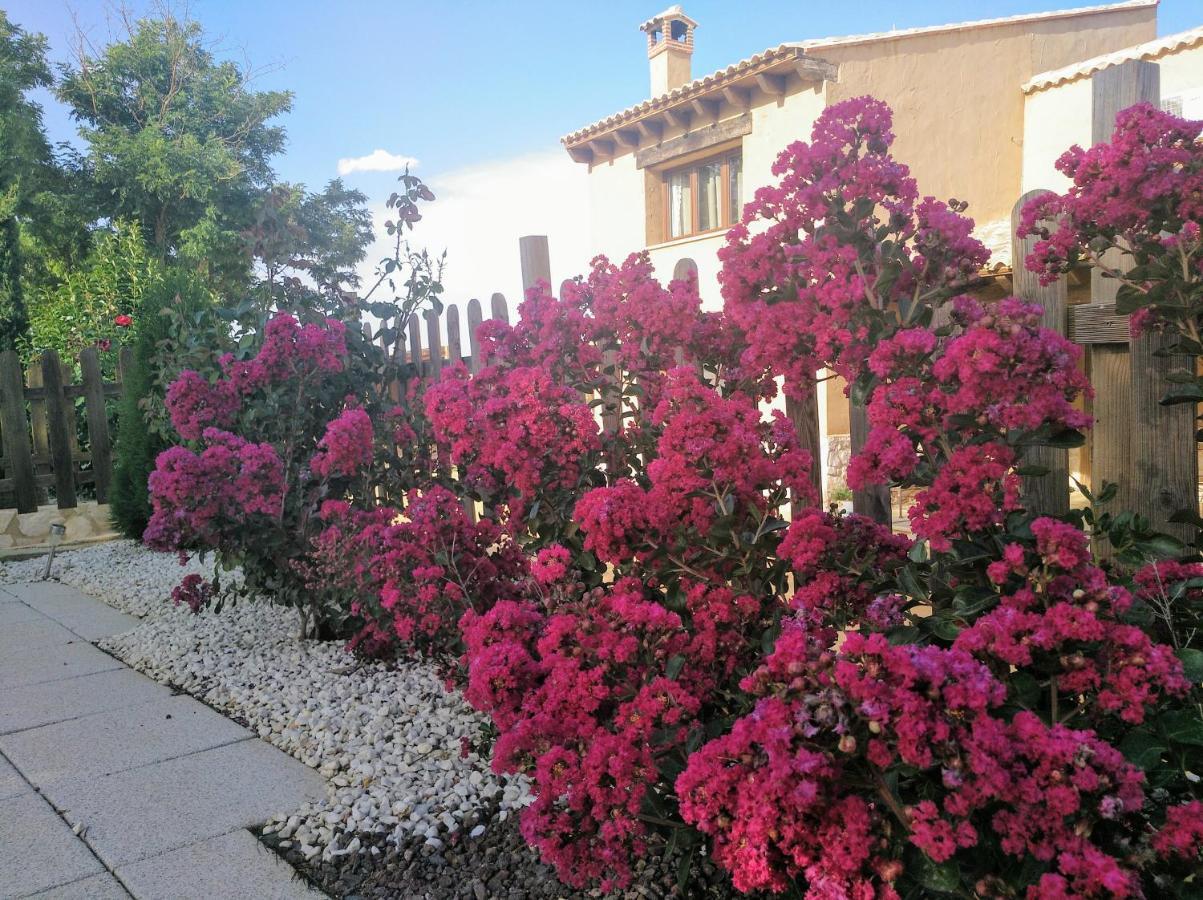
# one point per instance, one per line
(692, 167)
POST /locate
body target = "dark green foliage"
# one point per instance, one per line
(13, 320)
(137, 444)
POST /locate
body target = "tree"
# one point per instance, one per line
(27, 165)
(178, 140)
(305, 241)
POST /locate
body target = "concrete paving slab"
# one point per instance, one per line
(11, 782)
(37, 850)
(98, 887)
(86, 616)
(119, 739)
(70, 698)
(30, 635)
(15, 611)
(147, 811)
(206, 869)
(39, 664)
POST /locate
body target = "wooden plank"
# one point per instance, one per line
(98, 422)
(37, 419)
(499, 309)
(611, 415)
(62, 458)
(1163, 454)
(18, 458)
(73, 392)
(701, 139)
(415, 346)
(873, 501)
(1097, 323)
(455, 348)
(474, 320)
(434, 343)
(536, 260)
(684, 268)
(805, 416)
(1046, 494)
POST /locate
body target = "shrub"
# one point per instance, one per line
(998, 715)
(137, 444)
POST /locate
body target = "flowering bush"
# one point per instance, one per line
(981, 710)
(296, 414)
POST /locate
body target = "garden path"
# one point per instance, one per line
(114, 786)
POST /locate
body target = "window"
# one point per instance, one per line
(703, 196)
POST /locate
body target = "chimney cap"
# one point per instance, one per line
(673, 13)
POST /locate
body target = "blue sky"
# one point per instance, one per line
(480, 92)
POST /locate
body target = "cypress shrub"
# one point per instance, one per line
(138, 444)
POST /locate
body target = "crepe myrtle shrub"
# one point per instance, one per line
(980, 710)
(303, 408)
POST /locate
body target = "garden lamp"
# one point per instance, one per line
(57, 530)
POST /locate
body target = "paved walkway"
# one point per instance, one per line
(112, 786)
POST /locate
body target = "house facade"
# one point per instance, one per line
(670, 174)
(982, 110)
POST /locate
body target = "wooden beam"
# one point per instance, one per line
(705, 108)
(627, 138)
(773, 85)
(700, 139)
(738, 97)
(1097, 323)
(581, 154)
(650, 129)
(603, 147)
(679, 117)
(1047, 494)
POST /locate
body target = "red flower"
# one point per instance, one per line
(123, 321)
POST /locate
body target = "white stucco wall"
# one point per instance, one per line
(1182, 76)
(1054, 120)
(618, 222)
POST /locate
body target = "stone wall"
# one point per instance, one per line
(24, 533)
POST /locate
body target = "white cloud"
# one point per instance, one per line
(376, 161)
(478, 216)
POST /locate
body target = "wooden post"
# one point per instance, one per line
(536, 260)
(1162, 472)
(415, 346)
(16, 432)
(499, 310)
(1046, 494)
(474, 320)
(98, 423)
(435, 344)
(455, 348)
(805, 416)
(61, 462)
(873, 501)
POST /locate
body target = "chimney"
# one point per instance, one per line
(669, 48)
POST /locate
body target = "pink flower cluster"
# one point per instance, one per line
(197, 497)
(346, 447)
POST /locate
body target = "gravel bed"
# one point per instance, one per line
(412, 810)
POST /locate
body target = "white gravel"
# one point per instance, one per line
(387, 739)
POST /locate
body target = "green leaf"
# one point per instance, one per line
(943, 878)
(1143, 749)
(1192, 664)
(909, 582)
(1183, 726)
(674, 666)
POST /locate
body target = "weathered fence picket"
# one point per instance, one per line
(38, 426)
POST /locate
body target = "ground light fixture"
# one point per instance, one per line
(57, 530)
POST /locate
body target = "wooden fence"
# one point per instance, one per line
(40, 434)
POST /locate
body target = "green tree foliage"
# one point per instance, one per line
(305, 241)
(138, 443)
(178, 141)
(82, 308)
